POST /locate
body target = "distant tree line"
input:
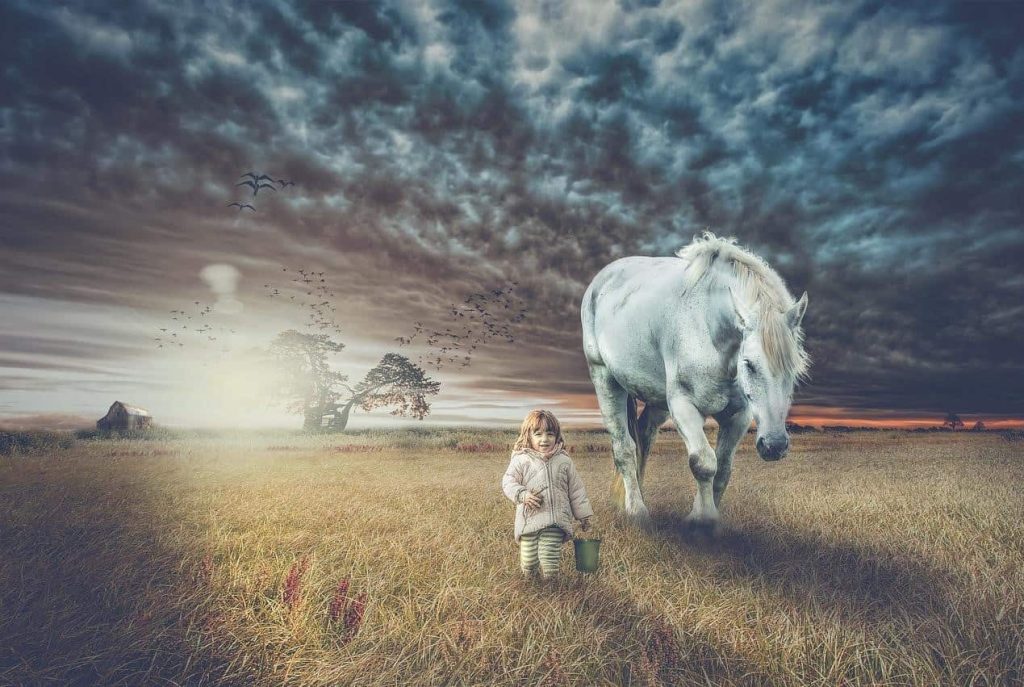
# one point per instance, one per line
(952, 423)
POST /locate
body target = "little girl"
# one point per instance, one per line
(542, 480)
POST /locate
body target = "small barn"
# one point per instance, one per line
(122, 416)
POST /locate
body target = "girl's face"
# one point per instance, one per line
(542, 438)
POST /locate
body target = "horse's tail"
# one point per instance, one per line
(633, 424)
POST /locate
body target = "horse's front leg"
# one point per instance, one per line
(731, 429)
(703, 461)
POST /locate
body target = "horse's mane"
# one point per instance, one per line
(760, 289)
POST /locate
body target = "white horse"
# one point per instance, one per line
(711, 332)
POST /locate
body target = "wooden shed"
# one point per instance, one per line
(122, 416)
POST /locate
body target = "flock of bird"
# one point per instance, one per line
(185, 329)
(258, 182)
(169, 335)
(313, 295)
(480, 318)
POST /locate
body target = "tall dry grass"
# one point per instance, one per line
(387, 558)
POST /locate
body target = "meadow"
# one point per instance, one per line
(387, 558)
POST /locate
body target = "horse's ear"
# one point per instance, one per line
(744, 318)
(796, 314)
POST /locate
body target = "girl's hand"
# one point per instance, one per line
(585, 524)
(531, 500)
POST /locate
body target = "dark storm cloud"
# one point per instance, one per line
(872, 153)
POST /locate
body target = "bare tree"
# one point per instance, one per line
(979, 426)
(395, 381)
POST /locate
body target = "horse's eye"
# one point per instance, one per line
(750, 367)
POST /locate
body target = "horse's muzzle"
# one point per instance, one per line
(772, 449)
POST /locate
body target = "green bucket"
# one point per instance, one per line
(586, 554)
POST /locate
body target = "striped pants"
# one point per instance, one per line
(544, 547)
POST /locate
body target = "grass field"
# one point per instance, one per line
(860, 559)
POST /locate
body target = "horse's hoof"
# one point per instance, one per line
(703, 525)
(641, 519)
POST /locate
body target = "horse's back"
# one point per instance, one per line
(626, 298)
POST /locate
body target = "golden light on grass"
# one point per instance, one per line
(860, 559)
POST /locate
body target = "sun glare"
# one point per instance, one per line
(231, 393)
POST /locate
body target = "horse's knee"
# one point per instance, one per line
(624, 455)
(703, 465)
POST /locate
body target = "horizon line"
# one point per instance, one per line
(806, 416)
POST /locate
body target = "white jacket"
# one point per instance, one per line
(564, 499)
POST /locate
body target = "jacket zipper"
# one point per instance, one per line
(551, 491)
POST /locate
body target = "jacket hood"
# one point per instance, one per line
(534, 453)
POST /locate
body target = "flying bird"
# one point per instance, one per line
(242, 206)
(256, 178)
(256, 185)
(284, 183)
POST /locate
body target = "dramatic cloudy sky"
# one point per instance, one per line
(872, 152)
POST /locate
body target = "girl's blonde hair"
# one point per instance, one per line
(535, 420)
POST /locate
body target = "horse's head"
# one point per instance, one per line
(767, 366)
